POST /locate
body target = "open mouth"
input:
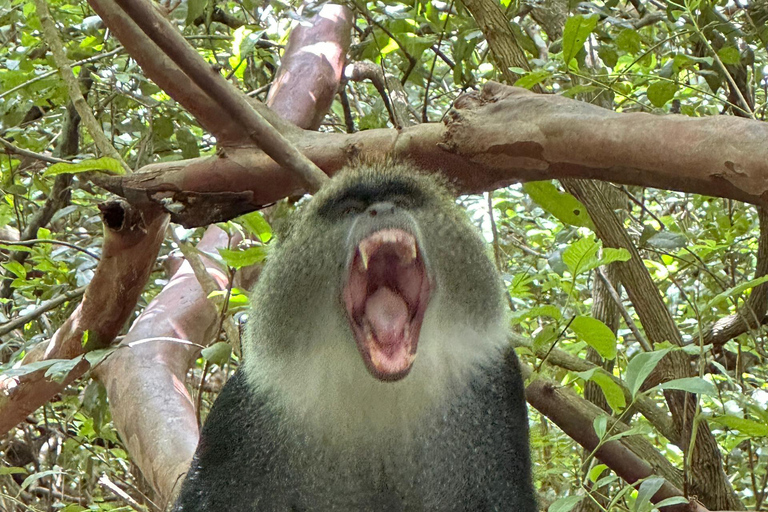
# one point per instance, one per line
(386, 295)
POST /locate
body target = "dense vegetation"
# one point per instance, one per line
(706, 256)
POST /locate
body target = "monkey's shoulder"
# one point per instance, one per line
(236, 443)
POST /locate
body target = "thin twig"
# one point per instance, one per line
(624, 313)
(31, 154)
(44, 307)
(34, 241)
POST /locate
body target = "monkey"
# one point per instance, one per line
(376, 375)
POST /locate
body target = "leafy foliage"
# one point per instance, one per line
(692, 58)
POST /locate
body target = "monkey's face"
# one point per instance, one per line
(386, 281)
(380, 268)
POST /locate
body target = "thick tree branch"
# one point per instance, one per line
(489, 140)
(575, 417)
(234, 103)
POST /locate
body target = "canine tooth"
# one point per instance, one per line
(364, 256)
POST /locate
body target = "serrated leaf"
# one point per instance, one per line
(667, 240)
(576, 31)
(580, 255)
(736, 290)
(640, 367)
(103, 164)
(218, 353)
(566, 208)
(695, 385)
(243, 257)
(597, 335)
(745, 426)
(660, 92)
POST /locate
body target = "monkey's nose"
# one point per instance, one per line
(382, 208)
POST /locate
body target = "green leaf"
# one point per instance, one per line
(675, 500)
(218, 353)
(647, 489)
(256, 224)
(629, 41)
(16, 268)
(729, 55)
(608, 55)
(614, 395)
(37, 476)
(600, 424)
(194, 9)
(565, 504)
(103, 164)
(545, 337)
(597, 335)
(581, 255)
(564, 206)
(576, 32)
(548, 310)
(188, 143)
(244, 257)
(4, 470)
(532, 78)
(695, 385)
(736, 290)
(59, 370)
(596, 471)
(609, 255)
(640, 367)
(667, 240)
(660, 92)
(746, 426)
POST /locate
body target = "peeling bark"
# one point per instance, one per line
(489, 140)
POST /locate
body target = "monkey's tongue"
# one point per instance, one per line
(387, 315)
(386, 322)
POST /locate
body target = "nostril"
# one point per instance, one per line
(383, 208)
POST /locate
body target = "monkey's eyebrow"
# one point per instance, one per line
(370, 192)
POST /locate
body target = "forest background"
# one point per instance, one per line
(135, 138)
